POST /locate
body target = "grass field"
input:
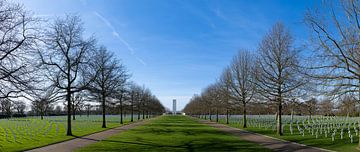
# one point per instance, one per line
(20, 134)
(308, 139)
(175, 134)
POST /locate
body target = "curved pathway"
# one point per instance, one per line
(266, 141)
(73, 144)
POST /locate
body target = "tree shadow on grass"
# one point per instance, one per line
(190, 146)
(168, 134)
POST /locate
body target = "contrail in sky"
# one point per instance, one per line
(117, 35)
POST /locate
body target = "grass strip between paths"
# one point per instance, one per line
(176, 134)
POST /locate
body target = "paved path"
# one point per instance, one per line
(266, 141)
(71, 145)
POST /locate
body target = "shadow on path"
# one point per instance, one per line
(268, 142)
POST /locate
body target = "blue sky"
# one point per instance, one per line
(178, 47)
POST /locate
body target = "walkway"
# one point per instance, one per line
(266, 141)
(73, 144)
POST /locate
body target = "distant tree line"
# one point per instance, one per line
(282, 78)
(49, 62)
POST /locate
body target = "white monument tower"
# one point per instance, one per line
(174, 107)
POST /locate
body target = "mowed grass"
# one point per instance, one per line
(175, 134)
(32, 132)
(341, 145)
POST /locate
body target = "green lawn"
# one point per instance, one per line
(26, 133)
(322, 142)
(173, 133)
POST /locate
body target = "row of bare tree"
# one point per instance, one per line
(47, 62)
(274, 75)
(278, 73)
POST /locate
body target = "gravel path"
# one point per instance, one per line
(266, 141)
(73, 144)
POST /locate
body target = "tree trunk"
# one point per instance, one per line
(278, 131)
(244, 116)
(227, 116)
(73, 110)
(138, 115)
(217, 115)
(103, 110)
(42, 116)
(121, 112)
(143, 114)
(68, 98)
(132, 112)
(292, 116)
(210, 115)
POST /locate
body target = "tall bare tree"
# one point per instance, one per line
(278, 72)
(241, 77)
(121, 96)
(225, 89)
(134, 93)
(66, 58)
(109, 75)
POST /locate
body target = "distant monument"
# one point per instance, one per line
(174, 107)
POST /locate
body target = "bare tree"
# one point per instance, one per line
(242, 86)
(336, 43)
(208, 101)
(213, 99)
(194, 106)
(326, 107)
(88, 108)
(43, 100)
(58, 110)
(225, 89)
(145, 98)
(19, 106)
(6, 107)
(154, 106)
(17, 35)
(311, 106)
(336, 47)
(66, 58)
(121, 96)
(278, 71)
(347, 105)
(78, 101)
(139, 101)
(134, 93)
(109, 75)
